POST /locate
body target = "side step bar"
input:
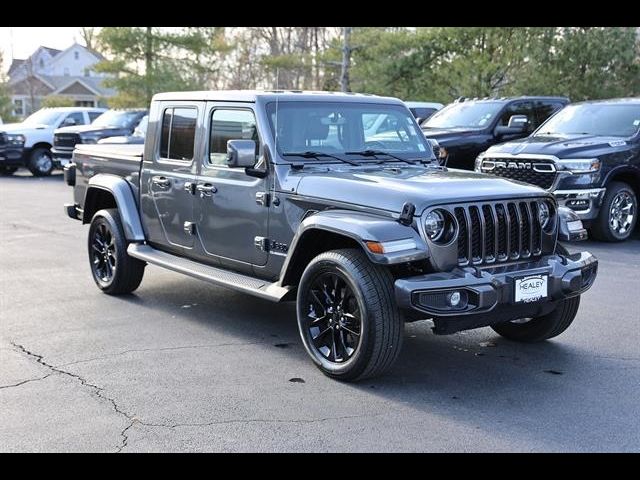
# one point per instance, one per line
(225, 278)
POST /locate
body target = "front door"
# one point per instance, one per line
(229, 212)
(168, 181)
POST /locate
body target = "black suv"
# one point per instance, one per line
(111, 123)
(467, 127)
(588, 155)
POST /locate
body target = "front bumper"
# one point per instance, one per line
(11, 155)
(584, 202)
(61, 156)
(490, 291)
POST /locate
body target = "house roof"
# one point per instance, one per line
(62, 82)
(15, 64)
(52, 51)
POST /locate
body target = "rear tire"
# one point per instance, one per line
(613, 224)
(40, 162)
(113, 270)
(351, 300)
(546, 326)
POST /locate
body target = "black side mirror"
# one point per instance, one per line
(241, 153)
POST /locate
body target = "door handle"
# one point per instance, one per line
(161, 181)
(206, 189)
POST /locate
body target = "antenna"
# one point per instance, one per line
(11, 41)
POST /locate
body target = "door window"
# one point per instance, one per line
(230, 124)
(78, 117)
(178, 133)
(519, 108)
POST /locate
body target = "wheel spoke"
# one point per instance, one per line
(352, 332)
(334, 347)
(321, 333)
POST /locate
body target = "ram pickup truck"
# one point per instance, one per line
(588, 156)
(285, 196)
(28, 144)
(467, 127)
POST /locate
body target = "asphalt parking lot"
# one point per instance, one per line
(185, 366)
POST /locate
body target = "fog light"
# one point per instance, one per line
(454, 299)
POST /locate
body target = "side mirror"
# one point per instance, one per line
(68, 122)
(241, 153)
(517, 124)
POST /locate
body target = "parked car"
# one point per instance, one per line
(465, 128)
(588, 155)
(136, 137)
(115, 122)
(37, 132)
(282, 196)
(423, 110)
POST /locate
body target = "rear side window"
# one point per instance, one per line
(230, 124)
(94, 115)
(178, 133)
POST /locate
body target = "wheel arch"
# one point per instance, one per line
(332, 229)
(627, 175)
(46, 145)
(110, 191)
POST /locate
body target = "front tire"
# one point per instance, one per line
(347, 316)
(114, 271)
(40, 162)
(618, 214)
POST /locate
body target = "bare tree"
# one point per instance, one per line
(89, 37)
(346, 59)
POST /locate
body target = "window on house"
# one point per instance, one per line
(76, 55)
(66, 71)
(18, 107)
(178, 133)
(87, 72)
(41, 63)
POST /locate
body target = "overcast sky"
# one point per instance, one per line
(26, 39)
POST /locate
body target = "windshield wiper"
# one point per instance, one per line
(375, 153)
(311, 154)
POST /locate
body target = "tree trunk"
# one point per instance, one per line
(148, 62)
(346, 59)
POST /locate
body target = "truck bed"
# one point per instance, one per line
(121, 160)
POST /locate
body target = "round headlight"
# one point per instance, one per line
(544, 214)
(434, 225)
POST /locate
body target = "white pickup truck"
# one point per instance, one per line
(37, 132)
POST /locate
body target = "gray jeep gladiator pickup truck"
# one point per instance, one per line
(290, 196)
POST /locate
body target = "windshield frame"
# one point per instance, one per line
(538, 131)
(454, 105)
(423, 156)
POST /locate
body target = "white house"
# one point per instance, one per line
(48, 71)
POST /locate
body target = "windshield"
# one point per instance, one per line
(44, 117)
(600, 119)
(345, 129)
(464, 115)
(116, 118)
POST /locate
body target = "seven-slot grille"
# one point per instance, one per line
(498, 232)
(66, 140)
(541, 173)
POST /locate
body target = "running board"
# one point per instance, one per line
(225, 278)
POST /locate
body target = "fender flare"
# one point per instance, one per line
(361, 227)
(125, 200)
(621, 169)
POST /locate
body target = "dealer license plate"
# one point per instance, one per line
(531, 289)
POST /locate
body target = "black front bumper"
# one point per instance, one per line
(12, 156)
(490, 292)
(61, 155)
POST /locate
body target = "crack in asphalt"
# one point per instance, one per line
(25, 381)
(160, 349)
(97, 391)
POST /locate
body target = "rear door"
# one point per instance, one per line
(168, 177)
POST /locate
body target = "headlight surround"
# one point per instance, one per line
(546, 214)
(440, 226)
(478, 162)
(15, 139)
(579, 165)
(89, 139)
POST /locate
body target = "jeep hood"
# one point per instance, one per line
(389, 188)
(565, 146)
(443, 135)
